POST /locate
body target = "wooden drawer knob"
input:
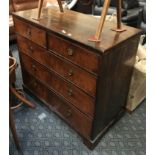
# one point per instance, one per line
(70, 92)
(69, 113)
(35, 84)
(70, 51)
(31, 49)
(28, 32)
(70, 72)
(34, 67)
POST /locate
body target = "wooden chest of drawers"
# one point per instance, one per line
(85, 83)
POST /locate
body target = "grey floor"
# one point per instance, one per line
(42, 132)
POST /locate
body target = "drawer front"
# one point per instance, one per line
(79, 77)
(71, 93)
(75, 118)
(31, 32)
(74, 53)
(32, 84)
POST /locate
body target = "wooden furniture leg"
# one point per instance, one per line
(60, 6)
(119, 7)
(119, 25)
(96, 38)
(13, 129)
(40, 5)
(20, 97)
(13, 90)
(119, 28)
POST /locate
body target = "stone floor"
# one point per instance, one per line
(41, 132)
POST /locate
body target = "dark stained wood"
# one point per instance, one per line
(74, 95)
(119, 7)
(91, 144)
(75, 118)
(12, 89)
(73, 53)
(70, 72)
(85, 83)
(79, 25)
(113, 86)
(21, 98)
(30, 32)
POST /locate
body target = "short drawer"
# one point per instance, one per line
(31, 32)
(79, 77)
(71, 93)
(71, 115)
(74, 53)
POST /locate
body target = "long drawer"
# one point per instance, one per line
(79, 77)
(74, 53)
(30, 32)
(75, 118)
(74, 95)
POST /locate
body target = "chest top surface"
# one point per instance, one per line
(78, 27)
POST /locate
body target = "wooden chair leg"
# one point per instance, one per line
(13, 129)
(40, 5)
(97, 36)
(60, 5)
(119, 25)
(20, 97)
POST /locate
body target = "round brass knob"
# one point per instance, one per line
(35, 84)
(70, 92)
(31, 49)
(34, 67)
(70, 72)
(69, 113)
(70, 51)
(29, 32)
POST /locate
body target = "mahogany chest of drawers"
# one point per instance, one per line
(85, 83)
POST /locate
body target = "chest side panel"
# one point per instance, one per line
(113, 83)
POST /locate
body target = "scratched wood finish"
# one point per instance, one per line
(66, 71)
